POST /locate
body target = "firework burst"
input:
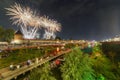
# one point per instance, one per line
(25, 18)
(30, 22)
(51, 27)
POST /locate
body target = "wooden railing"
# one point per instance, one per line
(8, 75)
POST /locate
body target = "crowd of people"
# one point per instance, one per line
(29, 62)
(13, 67)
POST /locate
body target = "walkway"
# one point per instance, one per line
(8, 74)
(13, 47)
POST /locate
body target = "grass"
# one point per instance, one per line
(22, 55)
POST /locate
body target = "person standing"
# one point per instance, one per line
(28, 62)
(11, 67)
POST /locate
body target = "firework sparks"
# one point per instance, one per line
(29, 22)
(51, 27)
(25, 18)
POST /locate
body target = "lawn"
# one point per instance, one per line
(18, 56)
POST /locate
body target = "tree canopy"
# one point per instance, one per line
(6, 34)
(77, 66)
(42, 73)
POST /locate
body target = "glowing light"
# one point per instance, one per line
(51, 27)
(29, 22)
(25, 18)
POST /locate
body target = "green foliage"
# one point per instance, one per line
(21, 55)
(113, 48)
(1, 33)
(116, 70)
(42, 73)
(97, 49)
(70, 45)
(103, 66)
(88, 50)
(77, 66)
(6, 34)
(57, 38)
(100, 77)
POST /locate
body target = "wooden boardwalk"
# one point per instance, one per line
(8, 75)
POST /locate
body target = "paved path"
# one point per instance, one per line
(30, 46)
(8, 74)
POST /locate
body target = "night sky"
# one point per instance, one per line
(80, 19)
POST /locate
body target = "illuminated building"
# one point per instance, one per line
(18, 37)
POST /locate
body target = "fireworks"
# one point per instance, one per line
(51, 27)
(30, 22)
(25, 18)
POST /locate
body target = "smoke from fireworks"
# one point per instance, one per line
(51, 27)
(30, 22)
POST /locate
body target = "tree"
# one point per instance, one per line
(8, 34)
(112, 56)
(57, 38)
(42, 73)
(1, 33)
(103, 66)
(77, 66)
